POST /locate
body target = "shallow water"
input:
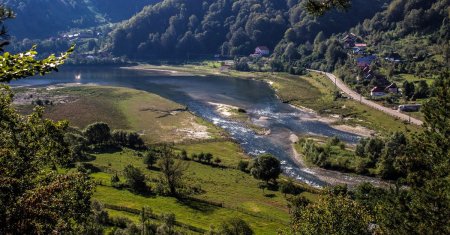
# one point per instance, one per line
(196, 92)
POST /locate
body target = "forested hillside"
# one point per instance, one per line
(45, 18)
(415, 33)
(181, 28)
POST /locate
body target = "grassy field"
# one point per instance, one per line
(156, 118)
(237, 191)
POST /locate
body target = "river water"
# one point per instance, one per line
(197, 92)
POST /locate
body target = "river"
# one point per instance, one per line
(198, 92)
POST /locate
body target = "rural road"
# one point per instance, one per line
(352, 94)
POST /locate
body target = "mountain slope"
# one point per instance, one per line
(45, 18)
(179, 28)
(415, 32)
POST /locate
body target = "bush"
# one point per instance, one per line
(150, 159)
(98, 133)
(235, 226)
(127, 139)
(243, 166)
(135, 179)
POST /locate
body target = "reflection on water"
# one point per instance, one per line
(197, 92)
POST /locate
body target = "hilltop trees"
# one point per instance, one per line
(181, 28)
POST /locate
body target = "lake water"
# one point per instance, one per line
(196, 92)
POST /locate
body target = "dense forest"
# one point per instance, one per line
(62, 15)
(181, 28)
(415, 32)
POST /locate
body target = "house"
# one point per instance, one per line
(262, 51)
(361, 45)
(377, 91)
(409, 107)
(349, 40)
(358, 51)
(393, 88)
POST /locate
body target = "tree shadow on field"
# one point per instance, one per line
(198, 205)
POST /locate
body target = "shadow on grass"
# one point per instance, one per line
(270, 195)
(198, 205)
(106, 149)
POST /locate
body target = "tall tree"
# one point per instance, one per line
(34, 197)
(266, 167)
(172, 168)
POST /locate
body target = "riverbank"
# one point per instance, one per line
(312, 93)
(335, 177)
(155, 118)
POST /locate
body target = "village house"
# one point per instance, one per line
(393, 88)
(261, 51)
(377, 92)
(349, 40)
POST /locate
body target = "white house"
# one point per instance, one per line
(262, 51)
(377, 91)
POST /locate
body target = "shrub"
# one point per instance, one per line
(135, 179)
(243, 166)
(98, 133)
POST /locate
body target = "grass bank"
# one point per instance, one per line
(155, 118)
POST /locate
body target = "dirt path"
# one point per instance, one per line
(352, 94)
(334, 177)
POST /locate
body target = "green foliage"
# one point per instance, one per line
(289, 187)
(150, 158)
(243, 166)
(22, 65)
(320, 7)
(127, 139)
(234, 226)
(266, 167)
(63, 15)
(331, 215)
(184, 29)
(98, 133)
(172, 169)
(135, 179)
(34, 197)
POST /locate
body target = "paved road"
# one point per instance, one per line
(352, 94)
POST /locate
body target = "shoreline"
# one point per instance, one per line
(171, 71)
(335, 178)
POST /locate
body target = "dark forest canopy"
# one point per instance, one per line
(416, 31)
(175, 28)
(62, 15)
